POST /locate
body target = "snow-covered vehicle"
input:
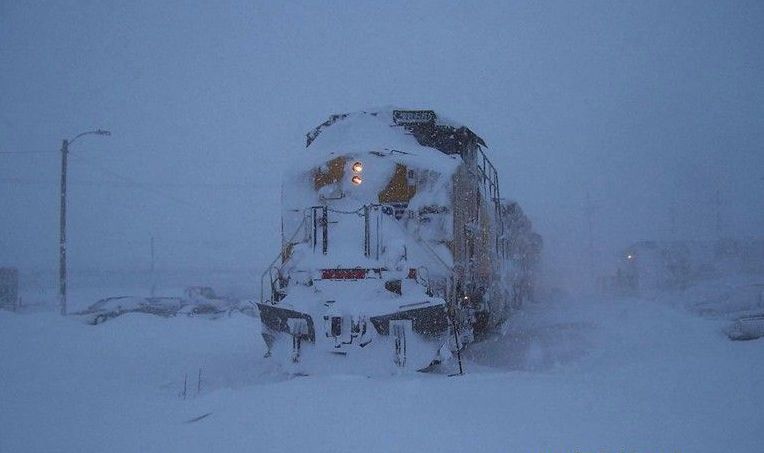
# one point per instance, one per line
(747, 328)
(112, 307)
(202, 301)
(203, 293)
(207, 310)
(396, 244)
(198, 301)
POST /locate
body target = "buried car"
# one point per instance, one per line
(111, 307)
(198, 302)
(746, 328)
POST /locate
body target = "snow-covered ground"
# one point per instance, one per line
(572, 374)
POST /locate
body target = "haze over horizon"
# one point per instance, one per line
(653, 110)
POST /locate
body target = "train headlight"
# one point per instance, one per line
(357, 180)
(358, 167)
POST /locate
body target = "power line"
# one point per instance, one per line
(139, 185)
(135, 184)
(128, 182)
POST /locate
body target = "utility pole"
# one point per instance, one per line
(718, 203)
(672, 215)
(62, 231)
(153, 275)
(589, 210)
(62, 218)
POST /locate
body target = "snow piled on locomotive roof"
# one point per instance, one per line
(366, 131)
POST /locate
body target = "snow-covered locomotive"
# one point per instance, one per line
(396, 244)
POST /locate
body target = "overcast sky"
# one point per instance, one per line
(650, 107)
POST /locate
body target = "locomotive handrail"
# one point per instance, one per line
(417, 240)
(487, 172)
(269, 269)
(423, 243)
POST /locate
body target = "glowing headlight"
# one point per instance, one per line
(356, 180)
(358, 167)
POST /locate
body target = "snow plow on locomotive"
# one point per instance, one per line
(396, 245)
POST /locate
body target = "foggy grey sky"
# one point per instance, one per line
(648, 106)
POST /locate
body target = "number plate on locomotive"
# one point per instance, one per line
(413, 116)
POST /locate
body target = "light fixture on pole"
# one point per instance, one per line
(62, 219)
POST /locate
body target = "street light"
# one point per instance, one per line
(62, 236)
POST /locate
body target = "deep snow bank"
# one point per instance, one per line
(574, 375)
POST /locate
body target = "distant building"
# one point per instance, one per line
(9, 288)
(648, 266)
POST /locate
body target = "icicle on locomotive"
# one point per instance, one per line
(396, 244)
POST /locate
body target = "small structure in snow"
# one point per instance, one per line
(9, 288)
